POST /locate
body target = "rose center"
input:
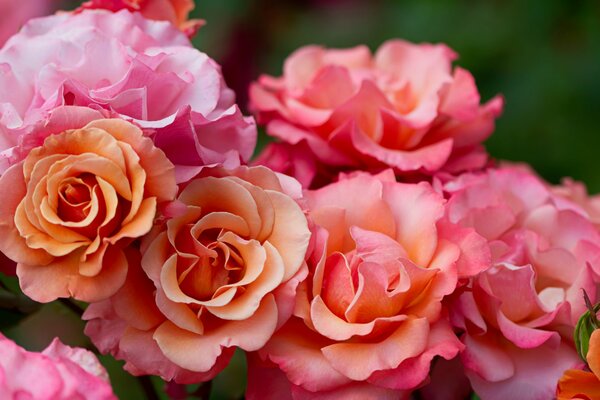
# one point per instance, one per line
(75, 195)
(218, 264)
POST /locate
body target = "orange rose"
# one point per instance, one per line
(74, 202)
(578, 384)
(222, 274)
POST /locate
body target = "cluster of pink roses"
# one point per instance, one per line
(371, 252)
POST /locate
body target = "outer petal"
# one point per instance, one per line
(200, 352)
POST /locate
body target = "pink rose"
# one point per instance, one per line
(58, 373)
(403, 108)
(518, 316)
(155, 78)
(369, 318)
(221, 274)
(174, 11)
(16, 13)
(577, 195)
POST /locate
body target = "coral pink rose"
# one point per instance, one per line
(403, 108)
(369, 318)
(15, 14)
(58, 373)
(174, 11)
(155, 78)
(72, 205)
(518, 316)
(221, 274)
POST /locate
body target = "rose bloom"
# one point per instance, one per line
(518, 317)
(58, 373)
(222, 273)
(403, 107)
(174, 11)
(15, 14)
(71, 206)
(369, 319)
(154, 78)
(578, 384)
(577, 195)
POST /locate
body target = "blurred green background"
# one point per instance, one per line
(543, 55)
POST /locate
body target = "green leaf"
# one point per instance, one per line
(587, 324)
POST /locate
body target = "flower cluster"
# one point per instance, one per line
(371, 252)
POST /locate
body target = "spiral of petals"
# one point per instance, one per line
(75, 202)
(221, 273)
(369, 317)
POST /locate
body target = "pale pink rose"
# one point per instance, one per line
(518, 316)
(154, 78)
(370, 314)
(222, 273)
(16, 13)
(174, 11)
(577, 195)
(76, 201)
(403, 107)
(58, 373)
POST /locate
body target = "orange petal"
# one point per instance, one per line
(593, 354)
(13, 189)
(575, 384)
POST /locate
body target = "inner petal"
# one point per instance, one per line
(203, 279)
(75, 195)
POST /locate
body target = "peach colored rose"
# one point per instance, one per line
(403, 107)
(518, 316)
(73, 203)
(58, 373)
(174, 11)
(578, 384)
(220, 274)
(369, 317)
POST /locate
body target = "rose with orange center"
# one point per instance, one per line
(72, 205)
(369, 318)
(224, 271)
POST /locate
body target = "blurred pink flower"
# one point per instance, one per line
(58, 373)
(518, 316)
(173, 11)
(16, 13)
(403, 108)
(369, 317)
(155, 78)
